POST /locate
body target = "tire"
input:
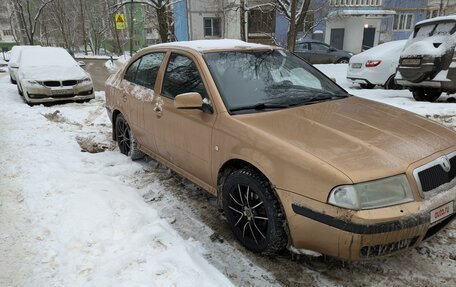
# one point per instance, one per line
(19, 90)
(367, 86)
(125, 139)
(253, 212)
(390, 84)
(429, 95)
(342, 61)
(13, 81)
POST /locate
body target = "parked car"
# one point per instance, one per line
(13, 64)
(49, 74)
(317, 52)
(293, 158)
(428, 62)
(376, 66)
(3, 65)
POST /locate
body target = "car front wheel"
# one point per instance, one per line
(125, 139)
(429, 95)
(253, 212)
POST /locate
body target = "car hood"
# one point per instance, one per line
(53, 73)
(363, 139)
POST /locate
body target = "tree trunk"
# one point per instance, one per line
(131, 28)
(291, 39)
(84, 39)
(242, 16)
(162, 23)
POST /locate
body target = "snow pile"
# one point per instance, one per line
(69, 219)
(206, 45)
(116, 63)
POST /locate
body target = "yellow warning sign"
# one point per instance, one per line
(120, 21)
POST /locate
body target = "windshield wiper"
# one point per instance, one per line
(260, 106)
(321, 98)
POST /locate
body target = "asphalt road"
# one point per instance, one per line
(98, 72)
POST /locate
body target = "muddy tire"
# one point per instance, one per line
(125, 139)
(367, 86)
(429, 95)
(253, 212)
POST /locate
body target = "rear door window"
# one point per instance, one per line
(148, 69)
(317, 47)
(182, 76)
(130, 75)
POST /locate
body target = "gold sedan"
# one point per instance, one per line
(294, 160)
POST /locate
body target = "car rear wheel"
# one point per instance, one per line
(367, 86)
(125, 139)
(253, 212)
(429, 95)
(391, 84)
(342, 61)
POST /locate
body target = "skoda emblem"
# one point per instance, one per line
(445, 163)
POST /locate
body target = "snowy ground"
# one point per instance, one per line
(75, 212)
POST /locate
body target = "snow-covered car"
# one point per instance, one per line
(376, 66)
(49, 74)
(13, 64)
(294, 160)
(3, 65)
(427, 66)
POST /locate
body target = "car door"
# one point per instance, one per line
(320, 53)
(184, 136)
(303, 51)
(139, 85)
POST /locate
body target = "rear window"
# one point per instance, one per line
(431, 29)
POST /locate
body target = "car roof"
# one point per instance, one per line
(437, 19)
(202, 46)
(311, 41)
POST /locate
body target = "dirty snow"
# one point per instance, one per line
(75, 212)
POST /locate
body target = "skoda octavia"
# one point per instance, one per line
(294, 160)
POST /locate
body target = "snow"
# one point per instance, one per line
(385, 50)
(360, 12)
(207, 45)
(117, 63)
(69, 219)
(72, 218)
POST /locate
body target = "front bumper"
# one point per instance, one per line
(365, 234)
(37, 94)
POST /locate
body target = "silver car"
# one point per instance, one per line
(49, 74)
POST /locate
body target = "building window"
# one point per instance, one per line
(432, 13)
(212, 27)
(7, 32)
(356, 2)
(261, 21)
(403, 22)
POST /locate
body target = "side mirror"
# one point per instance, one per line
(14, 65)
(333, 79)
(191, 100)
(332, 49)
(81, 63)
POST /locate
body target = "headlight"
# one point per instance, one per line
(373, 194)
(32, 82)
(85, 80)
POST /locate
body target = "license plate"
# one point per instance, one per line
(442, 212)
(62, 92)
(411, 62)
(357, 65)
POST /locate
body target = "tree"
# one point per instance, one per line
(295, 11)
(28, 13)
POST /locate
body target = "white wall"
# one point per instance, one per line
(354, 29)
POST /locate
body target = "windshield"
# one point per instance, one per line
(269, 79)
